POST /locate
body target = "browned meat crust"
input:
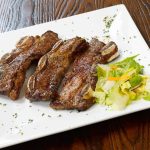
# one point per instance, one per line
(44, 83)
(81, 79)
(13, 66)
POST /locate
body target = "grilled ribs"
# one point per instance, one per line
(81, 79)
(13, 65)
(44, 83)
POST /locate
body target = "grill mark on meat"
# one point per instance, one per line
(13, 66)
(81, 78)
(44, 83)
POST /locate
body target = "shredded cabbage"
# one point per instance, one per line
(121, 83)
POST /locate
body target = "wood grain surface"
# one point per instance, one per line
(128, 132)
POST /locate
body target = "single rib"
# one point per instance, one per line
(81, 79)
(44, 83)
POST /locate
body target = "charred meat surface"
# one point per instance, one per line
(44, 83)
(80, 80)
(13, 65)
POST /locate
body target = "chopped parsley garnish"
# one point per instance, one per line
(108, 20)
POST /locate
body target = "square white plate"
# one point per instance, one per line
(22, 121)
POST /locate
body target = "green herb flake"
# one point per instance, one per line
(15, 115)
(59, 116)
(3, 104)
(107, 36)
(20, 132)
(30, 120)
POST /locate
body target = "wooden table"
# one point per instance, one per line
(128, 132)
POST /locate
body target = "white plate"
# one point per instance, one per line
(22, 121)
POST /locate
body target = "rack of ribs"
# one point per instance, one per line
(13, 66)
(44, 83)
(80, 80)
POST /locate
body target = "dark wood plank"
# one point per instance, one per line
(21, 13)
(129, 132)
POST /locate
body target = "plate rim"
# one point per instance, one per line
(80, 125)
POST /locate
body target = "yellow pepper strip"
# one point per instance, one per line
(124, 77)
